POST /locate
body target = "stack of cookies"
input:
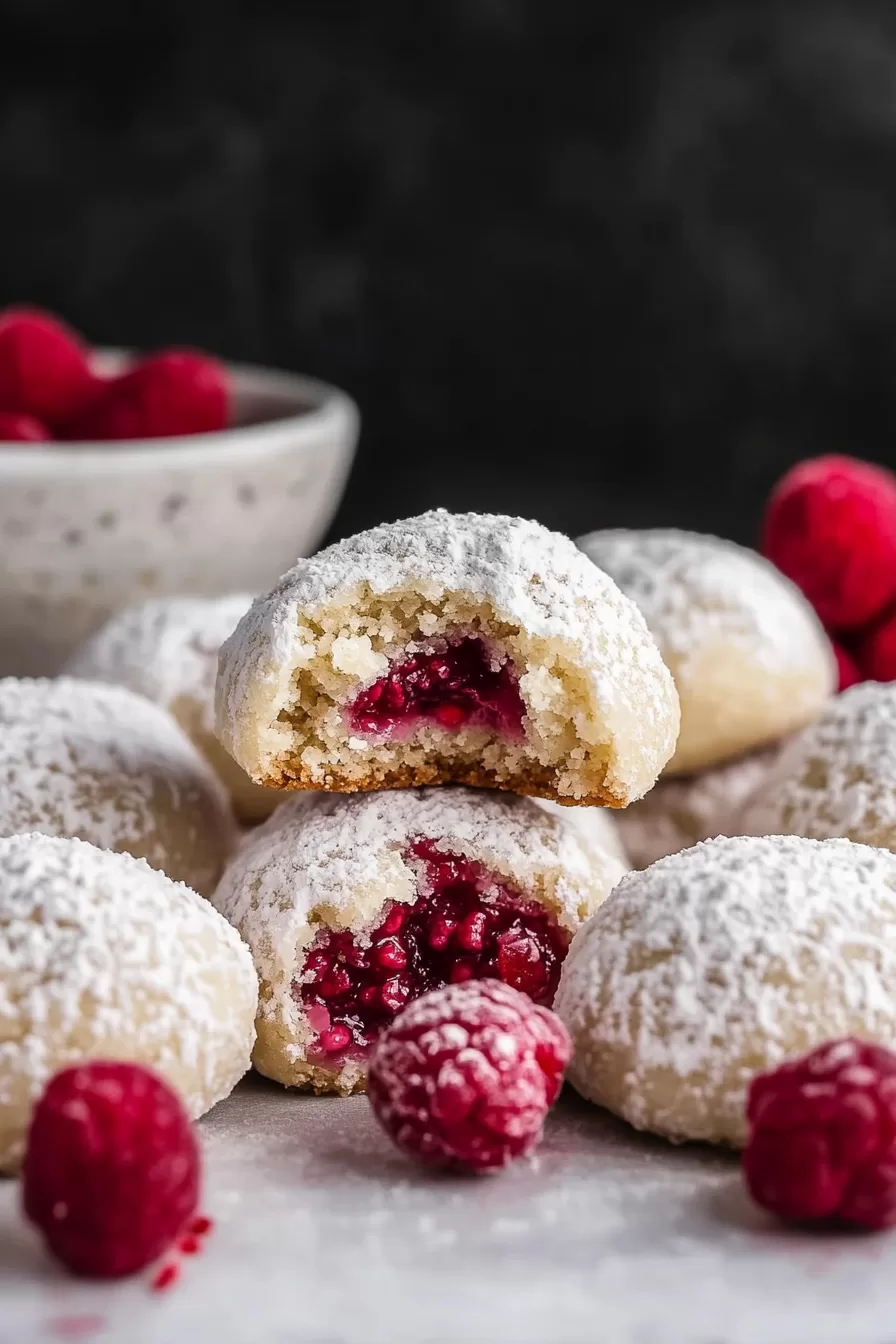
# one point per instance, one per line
(455, 700)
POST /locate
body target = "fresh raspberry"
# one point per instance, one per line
(112, 1168)
(876, 655)
(44, 369)
(18, 428)
(172, 393)
(848, 671)
(830, 526)
(465, 1075)
(822, 1139)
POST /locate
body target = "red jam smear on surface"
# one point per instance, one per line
(461, 684)
(466, 924)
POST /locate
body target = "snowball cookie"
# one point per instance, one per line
(838, 778)
(167, 649)
(600, 825)
(679, 811)
(101, 957)
(355, 904)
(720, 962)
(748, 655)
(103, 764)
(466, 648)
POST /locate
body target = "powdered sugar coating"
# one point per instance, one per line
(749, 657)
(720, 962)
(333, 860)
(167, 650)
(103, 957)
(837, 777)
(599, 824)
(513, 580)
(678, 812)
(103, 764)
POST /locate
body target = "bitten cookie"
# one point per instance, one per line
(167, 650)
(838, 777)
(103, 958)
(749, 657)
(720, 962)
(103, 764)
(466, 648)
(680, 811)
(354, 905)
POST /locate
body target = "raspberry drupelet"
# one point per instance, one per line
(465, 1076)
(353, 906)
(822, 1141)
(112, 1168)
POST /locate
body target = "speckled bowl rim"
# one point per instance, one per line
(326, 413)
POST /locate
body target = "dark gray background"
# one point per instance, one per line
(591, 263)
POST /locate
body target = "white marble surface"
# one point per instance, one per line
(325, 1235)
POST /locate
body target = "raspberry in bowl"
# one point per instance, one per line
(112, 502)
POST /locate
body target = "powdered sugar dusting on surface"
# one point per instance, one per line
(164, 649)
(695, 589)
(104, 764)
(558, 1249)
(102, 955)
(721, 961)
(837, 777)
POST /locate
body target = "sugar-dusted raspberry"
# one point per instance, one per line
(15, 427)
(848, 671)
(830, 526)
(822, 1142)
(112, 1168)
(465, 1075)
(44, 369)
(172, 393)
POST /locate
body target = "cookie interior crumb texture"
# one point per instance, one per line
(598, 709)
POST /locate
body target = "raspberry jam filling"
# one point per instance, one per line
(461, 684)
(466, 924)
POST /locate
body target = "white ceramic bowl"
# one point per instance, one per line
(86, 529)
